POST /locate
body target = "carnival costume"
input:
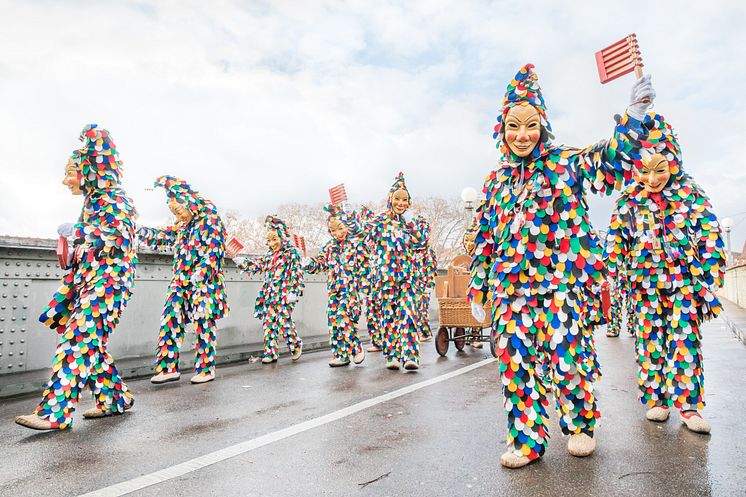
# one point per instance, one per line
(670, 241)
(425, 270)
(539, 263)
(370, 300)
(282, 286)
(621, 304)
(344, 262)
(94, 291)
(196, 293)
(394, 238)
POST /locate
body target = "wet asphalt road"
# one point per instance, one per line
(443, 439)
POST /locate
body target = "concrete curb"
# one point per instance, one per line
(735, 318)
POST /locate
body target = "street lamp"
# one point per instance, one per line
(469, 196)
(727, 224)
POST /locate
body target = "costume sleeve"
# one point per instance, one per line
(432, 268)
(319, 263)
(607, 165)
(708, 265)
(484, 244)
(253, 266)
(618, 240)
(416, 233)
(158, 238)
(295, 273)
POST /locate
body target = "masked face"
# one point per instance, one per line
(72, 178)
(400, 201)
(469, 243)
(337, 229)
(654, 174)
(183, 215)
(522, 129)
(273, 241)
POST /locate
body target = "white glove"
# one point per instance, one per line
(641, 90)
(239, 260)
(478, 312)
(305, 261)
(292, 298)
(66, 229)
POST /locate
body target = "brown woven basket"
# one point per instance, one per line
(456, 312)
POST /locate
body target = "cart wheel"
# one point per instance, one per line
(459, 338)
(441, 341)
(493, 343)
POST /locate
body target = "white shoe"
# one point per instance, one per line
(373, 348)
(581, 445)
(658, 413)
(337, 363)
(203, 377)
(393, 364)
(512, 461)
(695, 422)
(411, 366)
(96, 413)
(359, 357)
(164, 377)
(297, 353)
(34, 422)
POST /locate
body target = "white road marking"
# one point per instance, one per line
(217, 456)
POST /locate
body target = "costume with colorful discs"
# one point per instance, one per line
(196, 293)
(539, 262)
(621, 304)
(87, 307)
(282, 286)
(372, 302)
(394, 239)
(344, 262)
(425, 270)
(671, 245)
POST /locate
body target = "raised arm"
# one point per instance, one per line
(318, 263)
(252, 265)
(158, 238)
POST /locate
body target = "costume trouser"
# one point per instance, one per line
(81, 359)
(423, 314)
(373, 320)
(278, 321)
(400, 339)
(614, 325)
(173, 324)
(631, 312)
(669, 350)
(343, 317)
(548, 329)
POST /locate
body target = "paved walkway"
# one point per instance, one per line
(305, 429)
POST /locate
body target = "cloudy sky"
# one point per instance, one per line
(262, 103)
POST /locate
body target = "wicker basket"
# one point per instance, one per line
(456, 312)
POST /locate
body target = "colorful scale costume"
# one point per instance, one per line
(87, 307)
(196, 293)
(282, 287)
(344, 262)
(539, 262)
(671, 243)
(394, 241)
(372, 301)
(425, 270)
(621, 303)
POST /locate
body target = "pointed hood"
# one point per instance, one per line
(660, 139)
(274, 223)
(399, 184)
(98, 160)
(182, 192)
(524, 89)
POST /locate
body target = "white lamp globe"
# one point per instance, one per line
(468, 194)
(726, 222)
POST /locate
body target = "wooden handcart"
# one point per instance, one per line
(457, 325)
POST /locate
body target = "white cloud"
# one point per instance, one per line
(259, 103)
